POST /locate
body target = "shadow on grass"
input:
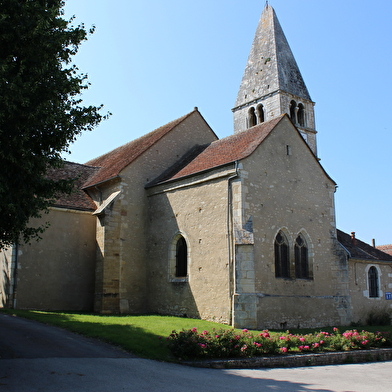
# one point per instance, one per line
(116, 330)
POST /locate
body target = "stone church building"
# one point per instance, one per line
(239, 230)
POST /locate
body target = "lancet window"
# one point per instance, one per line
(282, 264)
(181, 258)
(252, 118)
(301, 258)
(373, 282)
(301, 115)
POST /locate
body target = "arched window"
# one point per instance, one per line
(373, 282)
(293, 114)
(181, 258)
(301, 115)
(252, 117)
(282, 265)
(260, 113)
(301, 258)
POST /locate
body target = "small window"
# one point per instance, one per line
(373, 282)
(260, 113)
(301, 115)
(181, 258)
(282, 266)
(301, 258)
(252, 117)
(293, 109)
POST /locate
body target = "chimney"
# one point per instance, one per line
(353, 240)
(373, 243)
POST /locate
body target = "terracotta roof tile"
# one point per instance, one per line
(220, 152)
(361, 250)
(385, 248)
(78, 199)
(112, 163)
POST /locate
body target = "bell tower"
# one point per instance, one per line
(272, 83)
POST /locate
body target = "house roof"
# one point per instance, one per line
(78, 199)
(220, 152)
(361, 250)
(112, 163)
(385, 248)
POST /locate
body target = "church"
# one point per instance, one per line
(239, 230)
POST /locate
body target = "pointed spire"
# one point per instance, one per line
(271, 65)
(272, 83)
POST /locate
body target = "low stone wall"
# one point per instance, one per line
(297, 360)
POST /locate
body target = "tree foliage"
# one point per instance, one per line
(41, 111)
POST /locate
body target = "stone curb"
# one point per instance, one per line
(297, 360)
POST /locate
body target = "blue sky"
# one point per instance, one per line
(150, 62)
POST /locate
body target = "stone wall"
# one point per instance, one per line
(362, 304)
(122, 281)
(286, 189)
(57, 273)
(197, 209)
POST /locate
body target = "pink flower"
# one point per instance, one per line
(335, 329)
(202, 345)
(282, 338)
(321, 341)
(245, 330)
(244, 347)
(194, 329)
(257, 344)
(364, 342)
(315, 344)
(205, 333)
(283, 349)
(302, 339)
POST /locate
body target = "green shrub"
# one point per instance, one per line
(379, 318)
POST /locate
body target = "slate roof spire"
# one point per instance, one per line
(272, 81)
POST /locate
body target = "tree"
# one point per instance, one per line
(41, 111)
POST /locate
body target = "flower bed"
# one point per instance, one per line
(230, 343)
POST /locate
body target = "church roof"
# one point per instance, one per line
(220, 152)
(78, 199)
(361, 250)
(112, 163)
(271, 65)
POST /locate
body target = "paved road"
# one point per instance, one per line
(36, 357)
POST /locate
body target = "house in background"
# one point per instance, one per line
(239, 230)
(370, 272)
(385, 248)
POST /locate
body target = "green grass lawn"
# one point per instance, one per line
(143, 335)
